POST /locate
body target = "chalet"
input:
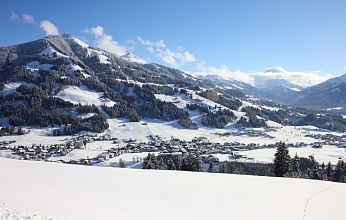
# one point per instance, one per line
(104, 156)
(317, 145)
(79, 145)
(31, 152)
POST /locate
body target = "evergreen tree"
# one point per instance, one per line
(188, 163)
(295, 167)
(323, 171)
(160, 165)
(339, 175)
(121, 163)
(150, 162)
(314, 171)
(211, 168)
(282, 160)
(171, 165)
(223, 167)
(199, 165)
(329, 171)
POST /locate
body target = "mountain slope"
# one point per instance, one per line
(329, 94)
(44, 68)
(279, 90)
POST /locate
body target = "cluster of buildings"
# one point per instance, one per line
(328, 139)
(174, 146)
(252, 133)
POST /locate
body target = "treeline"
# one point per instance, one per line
(218, 119)
(224, 99)
(283, 166)
(297, 167)
(31, 105)
(201, 108)
(187, 162)
(330, 121)
(252, 119)
(142, 103)
(280, 116)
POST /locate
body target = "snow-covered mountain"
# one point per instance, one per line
(54, 80)
(279, 90)
(242, 88)
(329, 94)
(59, 65)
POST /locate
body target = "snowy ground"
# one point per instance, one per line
(36, 190)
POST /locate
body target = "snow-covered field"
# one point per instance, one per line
(37, 190)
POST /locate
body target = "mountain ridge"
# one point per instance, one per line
(34, 77)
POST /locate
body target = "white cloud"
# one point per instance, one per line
(14, 16)
(224, 72)
(157, 44)
(304, 79)
(106, 42)
(174, 58)
(49, 28)
(28, 19)
(97, 31)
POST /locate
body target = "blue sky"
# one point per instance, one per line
(237, 39)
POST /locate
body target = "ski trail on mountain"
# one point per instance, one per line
(313, 196)
(104, 113)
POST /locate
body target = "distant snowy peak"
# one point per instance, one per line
(275, 70)
(219, 79)
(279, 83)
(133, 58)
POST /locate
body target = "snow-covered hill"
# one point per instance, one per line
(36, 190)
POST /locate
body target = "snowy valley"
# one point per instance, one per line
(64, 102)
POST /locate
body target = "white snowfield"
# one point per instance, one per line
(37, 190)
(84, 96)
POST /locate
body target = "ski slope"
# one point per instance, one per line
(37, 190)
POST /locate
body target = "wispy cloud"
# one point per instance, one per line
(49, 28)
(158, 44)
(175, 58)
(14, 16)
(28, 19)
(106, 42)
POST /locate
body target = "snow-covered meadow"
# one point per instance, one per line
(36, 190)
